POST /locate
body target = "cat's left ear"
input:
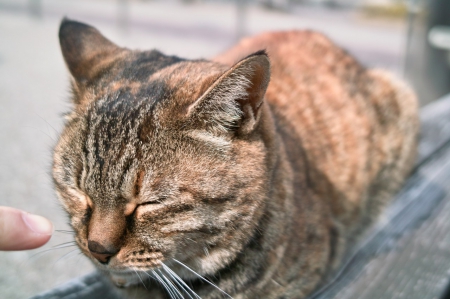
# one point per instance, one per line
(85, 50)
(233, 102)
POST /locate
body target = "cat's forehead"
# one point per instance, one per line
(140, 68)
(144, 79)
(142, 86)
(140, 65)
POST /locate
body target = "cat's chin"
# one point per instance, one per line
(127, 278)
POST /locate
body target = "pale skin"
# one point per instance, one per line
(20, 230)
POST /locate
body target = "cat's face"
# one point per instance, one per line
(161, 158)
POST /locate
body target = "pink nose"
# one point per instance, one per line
(100, 252)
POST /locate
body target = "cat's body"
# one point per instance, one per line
(193, 163)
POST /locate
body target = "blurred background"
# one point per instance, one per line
(410, 38)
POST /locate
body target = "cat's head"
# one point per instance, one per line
(161, 158)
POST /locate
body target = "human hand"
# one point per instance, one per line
(20, 230)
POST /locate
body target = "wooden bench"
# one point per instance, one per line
(407, 252)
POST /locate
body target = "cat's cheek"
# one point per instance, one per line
(83, 245)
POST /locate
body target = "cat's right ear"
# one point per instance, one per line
(233, 102)
(85, 50)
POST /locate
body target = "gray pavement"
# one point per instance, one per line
(34, 93)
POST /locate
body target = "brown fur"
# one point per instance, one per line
(165, 160)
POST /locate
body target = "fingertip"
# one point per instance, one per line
(40, 230)
(38, 224)
(37, 241)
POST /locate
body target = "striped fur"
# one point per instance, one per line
(194, 172)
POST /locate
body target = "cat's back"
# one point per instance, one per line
(357, 126)
(296, 54)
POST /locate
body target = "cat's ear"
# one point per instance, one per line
(85, 50)
(233, 102)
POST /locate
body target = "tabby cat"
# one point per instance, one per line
(199, 179)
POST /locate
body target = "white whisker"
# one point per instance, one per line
(61, 246)
(180, 282)
(202, 278)
(174, 288)
(161, 281)
(65, 231)
(65, 243)
(140, 278)
(65, 255)
(191, 240)
(172, 278)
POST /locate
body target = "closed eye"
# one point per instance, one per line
(148, 206)
(150, 203)
(160, 200)
(131, 210)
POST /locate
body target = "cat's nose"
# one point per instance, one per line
(100, 252)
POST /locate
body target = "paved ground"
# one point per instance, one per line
(34, 92)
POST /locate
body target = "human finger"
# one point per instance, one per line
(20, 230)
